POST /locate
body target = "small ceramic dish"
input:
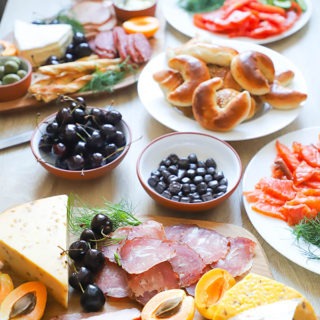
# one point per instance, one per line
(19, 88)
(47, 159)
(183, 144)
(128, 9)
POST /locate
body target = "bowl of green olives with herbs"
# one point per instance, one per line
(15, 77)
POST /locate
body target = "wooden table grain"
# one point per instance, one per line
(22, 179)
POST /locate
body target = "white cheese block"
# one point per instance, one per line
(32, 239)
(37, 42)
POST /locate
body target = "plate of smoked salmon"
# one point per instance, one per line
(284, 197)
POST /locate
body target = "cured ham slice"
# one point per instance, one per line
(141, 254)
(209, 244)
(126, 314)
(239, 258)
(138, 48)
(187, 264)
(104, 45)
(121, 41)
(112, 280)
(159, 278)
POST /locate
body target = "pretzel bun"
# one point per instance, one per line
(254, 71)
(207, 52)
(220, 110)
(193, 72)
(283, 98)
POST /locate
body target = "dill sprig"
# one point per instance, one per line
(80, 215)
(105, 80)
(308, 230)
(76, 26)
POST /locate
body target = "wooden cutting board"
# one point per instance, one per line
(260, 265)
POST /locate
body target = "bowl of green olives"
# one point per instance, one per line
(15, 77)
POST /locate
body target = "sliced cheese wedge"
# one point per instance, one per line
(255, 290)
(282, 310)
(32, 239)
(37, 42)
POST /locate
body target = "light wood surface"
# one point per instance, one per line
(23, 180)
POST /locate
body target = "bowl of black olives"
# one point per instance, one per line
(81, 142)
(15, 77)
(189, 171)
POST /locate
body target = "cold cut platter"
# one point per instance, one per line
(50, 210)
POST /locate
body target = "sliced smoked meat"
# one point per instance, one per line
(145, 285)
(187, 264)
(112, 280)
(104, 45)
(140, 254)
(121, 41)
(209, 244)
(239, 258)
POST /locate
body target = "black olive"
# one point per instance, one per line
(92, 299)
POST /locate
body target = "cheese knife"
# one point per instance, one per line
(15, 140)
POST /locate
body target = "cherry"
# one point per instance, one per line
(78, 249)
(75, 162)
(92, 299)
(81, 278)
(94, 260)
(59, 149)
(113, 116)
(88, 235)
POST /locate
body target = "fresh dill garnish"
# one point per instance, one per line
(105, 80)
(200, 5)
(76, 26)
(80, 215)
(308, 230)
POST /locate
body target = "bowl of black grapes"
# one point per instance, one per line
(189, 171)
(81, 142)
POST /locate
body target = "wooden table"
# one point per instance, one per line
(23, 179)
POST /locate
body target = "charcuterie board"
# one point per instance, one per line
(260, 266)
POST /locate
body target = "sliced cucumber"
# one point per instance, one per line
(302, 4)
(286, 4)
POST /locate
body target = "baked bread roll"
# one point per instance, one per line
(220, 110)
(168, 80)
(193, 72)
(208, 52)
(283, 98)
(254, 71)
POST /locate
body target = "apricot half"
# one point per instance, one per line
(209, 290)
(173, 304)
(6, 285)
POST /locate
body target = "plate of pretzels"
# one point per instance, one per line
(231, 89)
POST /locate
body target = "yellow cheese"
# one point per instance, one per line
(32, 239)
(255, 290)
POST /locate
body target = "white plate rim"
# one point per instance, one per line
(270, 228)
(171, 11)
(156, 105)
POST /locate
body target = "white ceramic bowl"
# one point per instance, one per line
(182, 144)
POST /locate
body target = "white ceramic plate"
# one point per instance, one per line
(265, 122)
(276, 232)
(181, 20)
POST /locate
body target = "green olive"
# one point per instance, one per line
(10, 78)
(15, 59)
(11, 67)
(22, 73)
(1, 72)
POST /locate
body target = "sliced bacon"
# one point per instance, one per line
(145, 285)
(187, 264)
(239, 258)
(112, 280)
(141, 254)
(209, 244)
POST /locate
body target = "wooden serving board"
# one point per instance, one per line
(260, 265)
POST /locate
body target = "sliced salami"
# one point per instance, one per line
(239, 258)
(145, 285)
(187, 264)
(104, 45)
(112, 280)
(142, 47)
(121, 41)
(209, 244)
(140, 254)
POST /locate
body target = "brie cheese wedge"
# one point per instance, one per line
(37, 42)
